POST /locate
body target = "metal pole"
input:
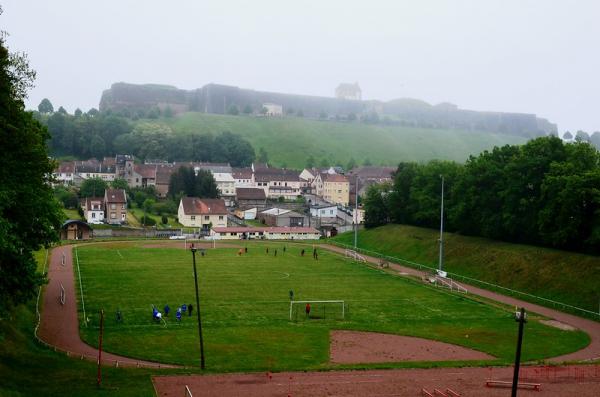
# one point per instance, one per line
(198, 311)
(441, 259)
(521, 320)
(356, 213)
(99, 375)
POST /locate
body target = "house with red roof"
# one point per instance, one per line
(202, 213)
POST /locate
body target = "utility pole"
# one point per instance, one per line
(99, 375)
(521, 318)
(441, 259)
(198, 310)
(356, 213)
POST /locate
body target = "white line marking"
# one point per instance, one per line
(119, 252)
(80, 288)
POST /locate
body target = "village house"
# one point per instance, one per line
(266, 233)
(248, 197)
(226, 187)
(202, 213)
(324, 211)
(333, 188)
(93, 210)
(279, 183)
(75, 230)
(246, 213)
(366, 176)
(281, 217)
(115, 206)
(144, 175)
(243, 177)
(64, 173)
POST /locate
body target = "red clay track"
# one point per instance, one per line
(59, 326)
(592, 328)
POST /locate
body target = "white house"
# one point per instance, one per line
(243, 177)
(204, 213)
(93, 210)
(273, 109)
(246, 214)
(324, 211)
(266, 233)
(226, 187)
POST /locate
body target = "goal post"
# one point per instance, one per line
(188, 392)
(332, 309)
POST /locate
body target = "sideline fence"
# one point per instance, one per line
(484, 284)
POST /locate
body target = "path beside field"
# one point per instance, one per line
(59, 326)
(591, 352)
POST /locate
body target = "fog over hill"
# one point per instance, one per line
(220, 99)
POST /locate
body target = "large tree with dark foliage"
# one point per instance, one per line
(545, 192)
(185, 182)
(30, 217)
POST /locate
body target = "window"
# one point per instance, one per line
(206, 217)
(123, 207)
(220, 217)
(113, 215)
(331, 212)
(113, 206)
(123, 217)
(193, 217)
(93, 214)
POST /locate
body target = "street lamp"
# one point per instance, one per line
(441, 259)
(193, 249)
(521, 318)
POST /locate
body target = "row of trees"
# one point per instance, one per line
(545, 192)
(102, 134)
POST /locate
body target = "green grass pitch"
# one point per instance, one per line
(245, 308)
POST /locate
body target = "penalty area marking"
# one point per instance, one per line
(284, 275)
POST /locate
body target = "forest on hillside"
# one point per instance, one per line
(545, 192)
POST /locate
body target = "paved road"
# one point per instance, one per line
(591, 352)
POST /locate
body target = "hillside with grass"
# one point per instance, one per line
(563, 276)
(290, 141)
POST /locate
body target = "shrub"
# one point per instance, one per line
(164, 220)
(147, 221)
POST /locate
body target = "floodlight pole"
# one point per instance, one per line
(520, 318)
(198, 310)
(441, 259)
(356, 213)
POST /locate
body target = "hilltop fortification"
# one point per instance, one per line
(218, 99)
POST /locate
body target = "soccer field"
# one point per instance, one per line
(245, 307)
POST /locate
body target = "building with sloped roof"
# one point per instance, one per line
(202, 213)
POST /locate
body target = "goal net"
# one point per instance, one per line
(354, 256)
(318, 309)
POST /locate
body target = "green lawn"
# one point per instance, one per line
(291, 140)
(245, 308)
(563, 276)
(134, 215)
(71, 214)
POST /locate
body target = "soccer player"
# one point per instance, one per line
(275, 252)
(307, 310)
(302, 252)
(167, 309)
(178, 314)
(183, 308)
(190, 308)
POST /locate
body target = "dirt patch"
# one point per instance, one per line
(558, 324)
(402, 382)
(352, 347)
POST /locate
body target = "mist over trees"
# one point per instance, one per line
(545, 192)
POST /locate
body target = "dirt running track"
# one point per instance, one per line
(592, 328)
(59, 326)
(401, 382)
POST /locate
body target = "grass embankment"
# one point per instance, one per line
(245, 308)
(29, 369)
(291, 140)
(563, 276)
(134, 216)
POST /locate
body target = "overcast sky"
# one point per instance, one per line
(538, 57)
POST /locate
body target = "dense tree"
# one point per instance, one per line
(62, 110)
(119, 183)
(45, 106)
(351, 164)
(595, 139)
(247, 109)
(310, 161)
(30, 216)
(67, 197)
(263, 156)
(376, 207)
(233, 110)
(582, 136)
(168, 112)
(567, 135)
(544, 192)
(78, 113)
(93, 187)
(185, 182)
(93, 112)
